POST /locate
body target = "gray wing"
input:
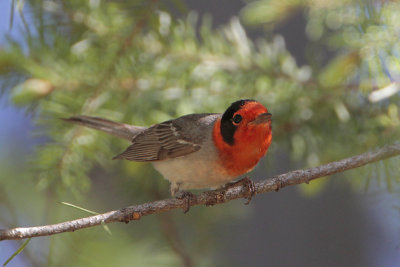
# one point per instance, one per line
(170, 139)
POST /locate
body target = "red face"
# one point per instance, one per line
(243, 136)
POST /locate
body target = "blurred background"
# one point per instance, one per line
(328, 71)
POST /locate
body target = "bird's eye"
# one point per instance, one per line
(237, 118)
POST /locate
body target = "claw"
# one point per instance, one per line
(278, 185)
(187, 196)
(247, 182)
(250, 187)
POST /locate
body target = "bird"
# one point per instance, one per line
(196, 151)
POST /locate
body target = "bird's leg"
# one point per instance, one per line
(246, 182)
(187, 196)
(182, 195)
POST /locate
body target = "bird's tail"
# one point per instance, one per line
(121, 130)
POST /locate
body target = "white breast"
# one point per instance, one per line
(197, 170)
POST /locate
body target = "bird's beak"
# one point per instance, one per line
(262, 118)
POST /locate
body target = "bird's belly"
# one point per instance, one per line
(194, 171)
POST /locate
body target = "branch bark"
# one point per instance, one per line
(206, 198)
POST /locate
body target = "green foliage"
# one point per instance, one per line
(133, 62)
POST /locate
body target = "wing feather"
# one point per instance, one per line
(161, 141)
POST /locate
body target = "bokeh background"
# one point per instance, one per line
(327, 70)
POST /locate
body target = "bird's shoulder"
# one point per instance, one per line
(192, 127)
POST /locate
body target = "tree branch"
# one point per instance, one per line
(206, 198)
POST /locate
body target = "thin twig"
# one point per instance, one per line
(206, 198)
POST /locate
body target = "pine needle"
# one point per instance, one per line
(106, 228)
(19, 250)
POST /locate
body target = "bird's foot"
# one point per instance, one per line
(246, 182)
(187, 196)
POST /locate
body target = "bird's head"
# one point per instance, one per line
(245, 119)
(242, 136)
